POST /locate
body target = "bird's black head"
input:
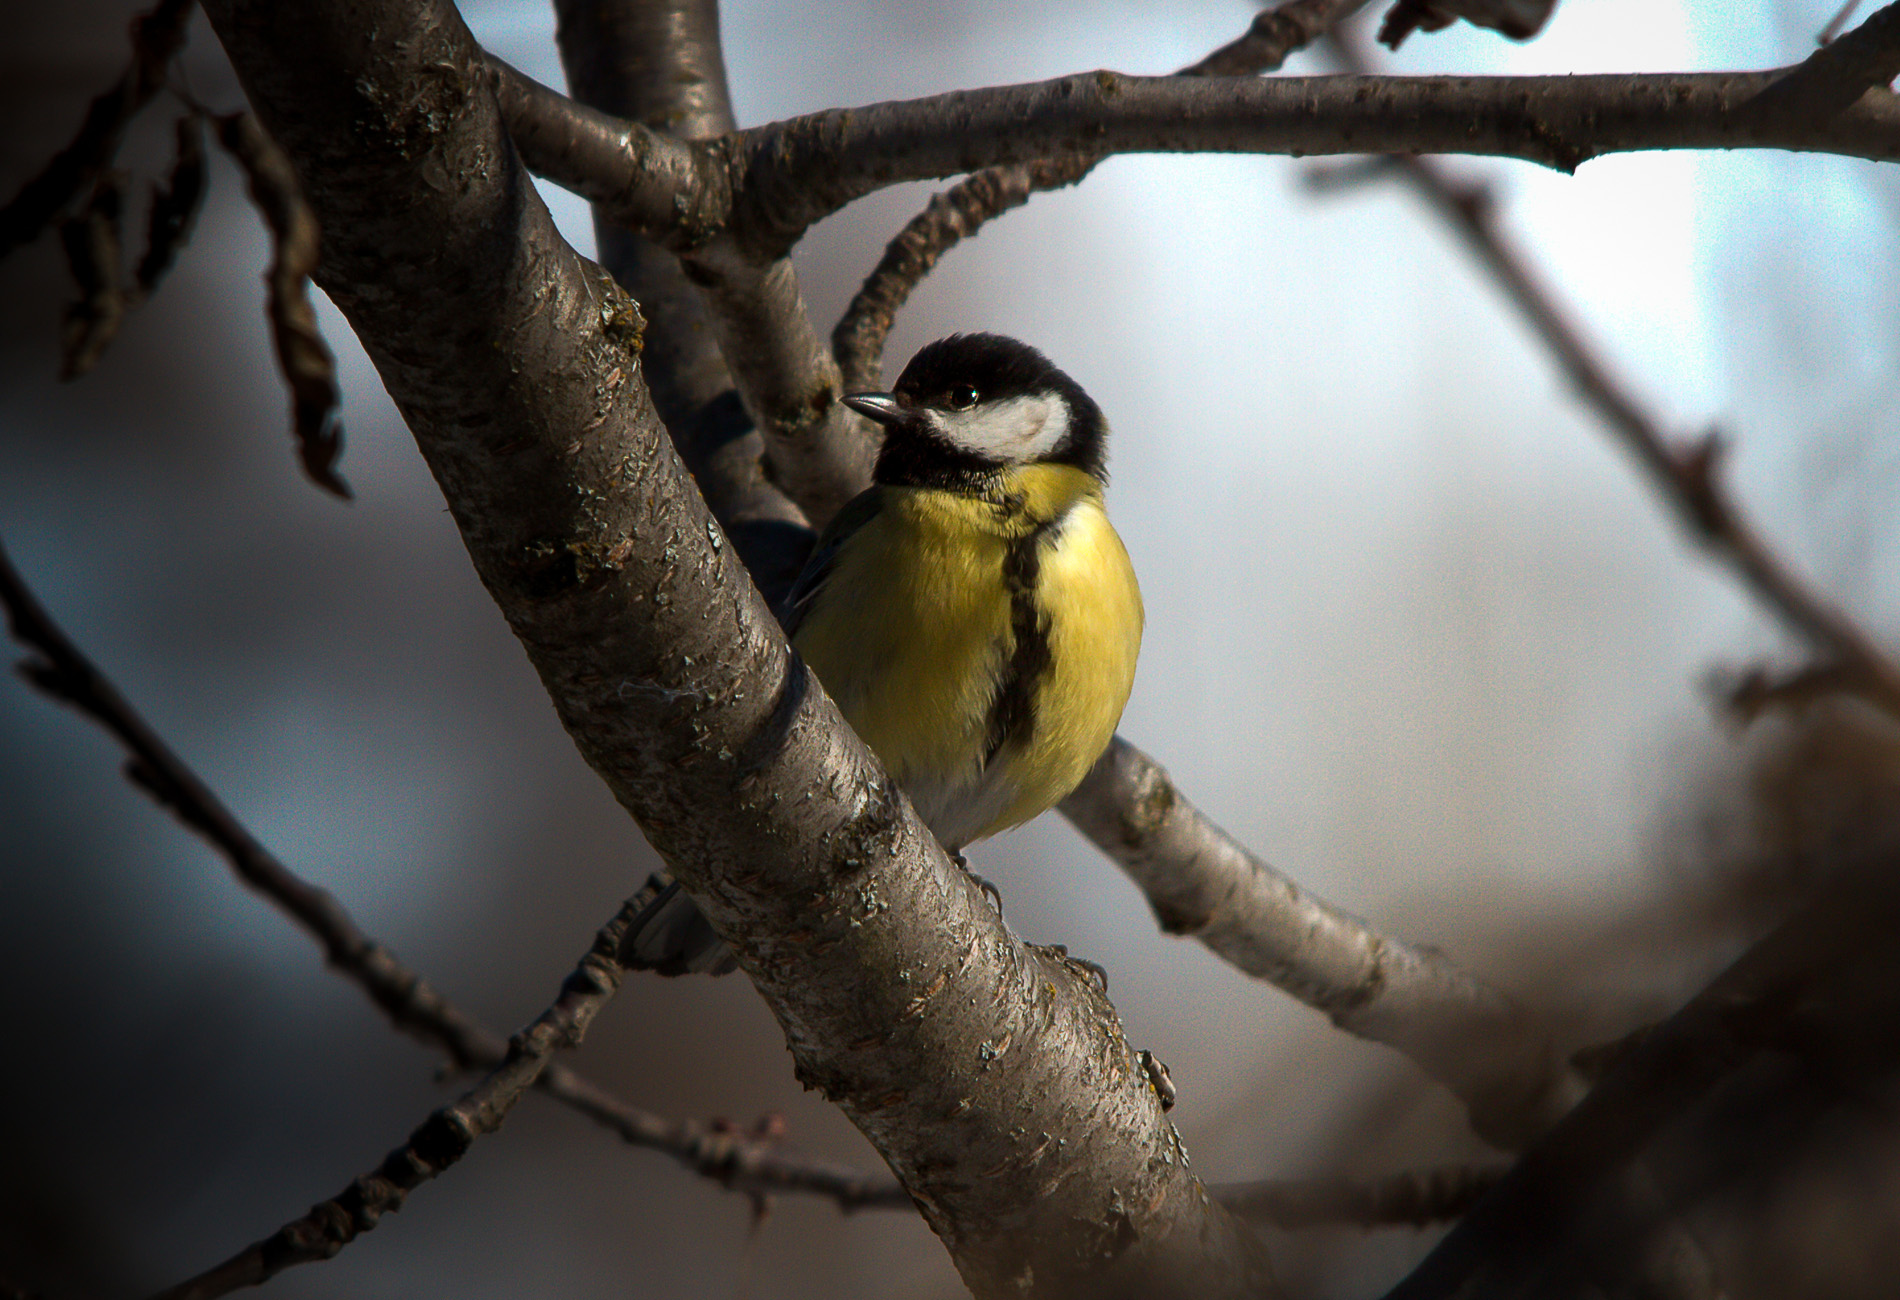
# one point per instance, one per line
(973, 404)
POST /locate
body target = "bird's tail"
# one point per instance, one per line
(668, 935)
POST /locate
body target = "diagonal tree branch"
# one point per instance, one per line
(961, 211)
(1415, 1200)
(1201, 883)
(1839, 73)
(992, 1077)
(439, 1142)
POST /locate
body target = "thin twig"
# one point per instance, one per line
(1687, 477)
(439, 1142)
(1836, 23)
(413, 1007)
(961, 211)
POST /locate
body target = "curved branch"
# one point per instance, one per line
(958, 213)
(1203, 884)
(414, 1007)
(438, 1142)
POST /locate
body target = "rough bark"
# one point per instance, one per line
(993, 1077)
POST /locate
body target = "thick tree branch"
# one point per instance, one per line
(788, 175)
(991, 1076)
(1203, 884)
(439, 1142)
(658, 62)
(799, 171)
(958, 213)
(820, 450)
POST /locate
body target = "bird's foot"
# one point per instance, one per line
(989, 891)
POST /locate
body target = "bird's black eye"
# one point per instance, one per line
(961, 398)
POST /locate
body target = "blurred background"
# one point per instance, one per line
(1418, 634)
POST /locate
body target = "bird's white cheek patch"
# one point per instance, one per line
(1015, 431)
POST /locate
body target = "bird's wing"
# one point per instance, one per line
(857, 512)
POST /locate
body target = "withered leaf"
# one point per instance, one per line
(93, 242)
(157, 36)
(308, 367)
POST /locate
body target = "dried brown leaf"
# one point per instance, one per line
(157, 36)
(93, 242)
(305, 359)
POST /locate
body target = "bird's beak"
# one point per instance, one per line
(881, 407)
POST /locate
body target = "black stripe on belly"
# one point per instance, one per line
(1013, 713)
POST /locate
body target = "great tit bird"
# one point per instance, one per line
(973, 613)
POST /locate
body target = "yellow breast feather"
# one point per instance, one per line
(920, 639)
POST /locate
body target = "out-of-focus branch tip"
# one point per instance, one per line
(175, 204)
(1416, 1199)
(1836, 23)
(1758, 690)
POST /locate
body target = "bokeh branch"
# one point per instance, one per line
(1417, 1200)
(1688, 477)
(439, 1142)
(1821, 992)
(308, 368)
